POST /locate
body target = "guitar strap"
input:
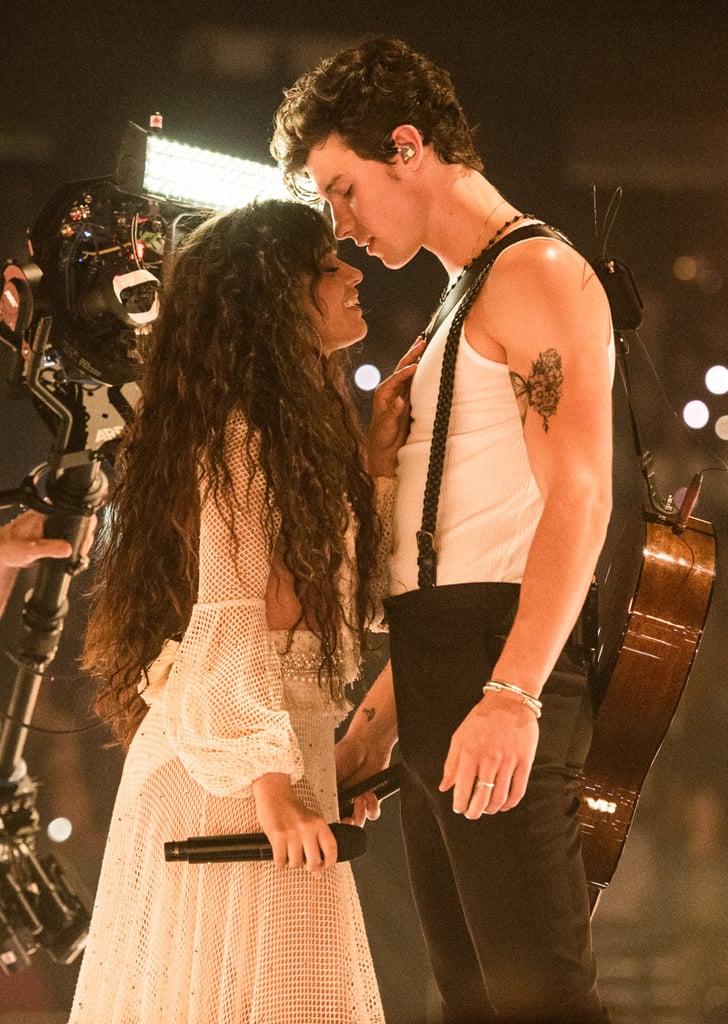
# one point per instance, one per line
(482, 264)
(465, 291)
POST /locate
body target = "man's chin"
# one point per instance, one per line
(392, 262)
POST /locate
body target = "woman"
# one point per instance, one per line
(243, 523)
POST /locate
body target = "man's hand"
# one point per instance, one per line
(490, 756)
(390, 414)
(355, 762)
(367, 747)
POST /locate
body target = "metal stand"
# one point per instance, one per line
(38, 910)
(72, 497)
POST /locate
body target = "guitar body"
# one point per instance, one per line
(654, 601)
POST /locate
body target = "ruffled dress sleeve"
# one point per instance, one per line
(223, 702)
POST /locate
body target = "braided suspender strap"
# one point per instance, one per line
(426, 553)
(468, 286)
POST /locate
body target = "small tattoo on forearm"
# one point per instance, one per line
(543, 389)
(370, 713)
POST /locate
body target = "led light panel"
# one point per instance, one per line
(204, 178)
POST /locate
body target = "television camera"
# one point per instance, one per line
(76, 317)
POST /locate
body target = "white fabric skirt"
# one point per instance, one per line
(229, 943)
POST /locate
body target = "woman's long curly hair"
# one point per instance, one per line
(232, 335)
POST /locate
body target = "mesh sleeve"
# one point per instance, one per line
(385, 491)
(223, 703)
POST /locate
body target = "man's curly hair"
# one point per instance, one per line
(362, 94)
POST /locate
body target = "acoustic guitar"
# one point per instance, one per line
(653, 606)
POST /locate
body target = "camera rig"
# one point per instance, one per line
(76, 316)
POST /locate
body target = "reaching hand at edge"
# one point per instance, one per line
(22, 543)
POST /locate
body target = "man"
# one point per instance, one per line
(493, 713)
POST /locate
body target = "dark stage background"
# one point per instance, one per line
(566, 96)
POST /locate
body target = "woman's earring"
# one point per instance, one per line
(406, 151)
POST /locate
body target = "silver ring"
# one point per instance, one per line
(479, 784)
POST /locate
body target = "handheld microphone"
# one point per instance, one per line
(350, 840)
(383, 784)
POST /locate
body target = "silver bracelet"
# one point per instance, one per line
(531, 702)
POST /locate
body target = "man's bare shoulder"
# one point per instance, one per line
(539, 288)
(545, 265)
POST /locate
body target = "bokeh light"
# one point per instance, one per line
(685, 268)
(716, 380)
(59, 830)
(367, 377)
(696, 414)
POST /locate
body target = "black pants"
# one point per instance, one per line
(502, 901)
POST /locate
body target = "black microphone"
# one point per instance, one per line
(350, 840)
(383, 784)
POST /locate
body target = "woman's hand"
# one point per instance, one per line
(390, 414)
(299, 837)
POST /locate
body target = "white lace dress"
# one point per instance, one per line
(241, 942)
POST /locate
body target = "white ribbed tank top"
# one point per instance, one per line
(489, 502)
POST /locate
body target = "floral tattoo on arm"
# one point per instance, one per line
(543, 388)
